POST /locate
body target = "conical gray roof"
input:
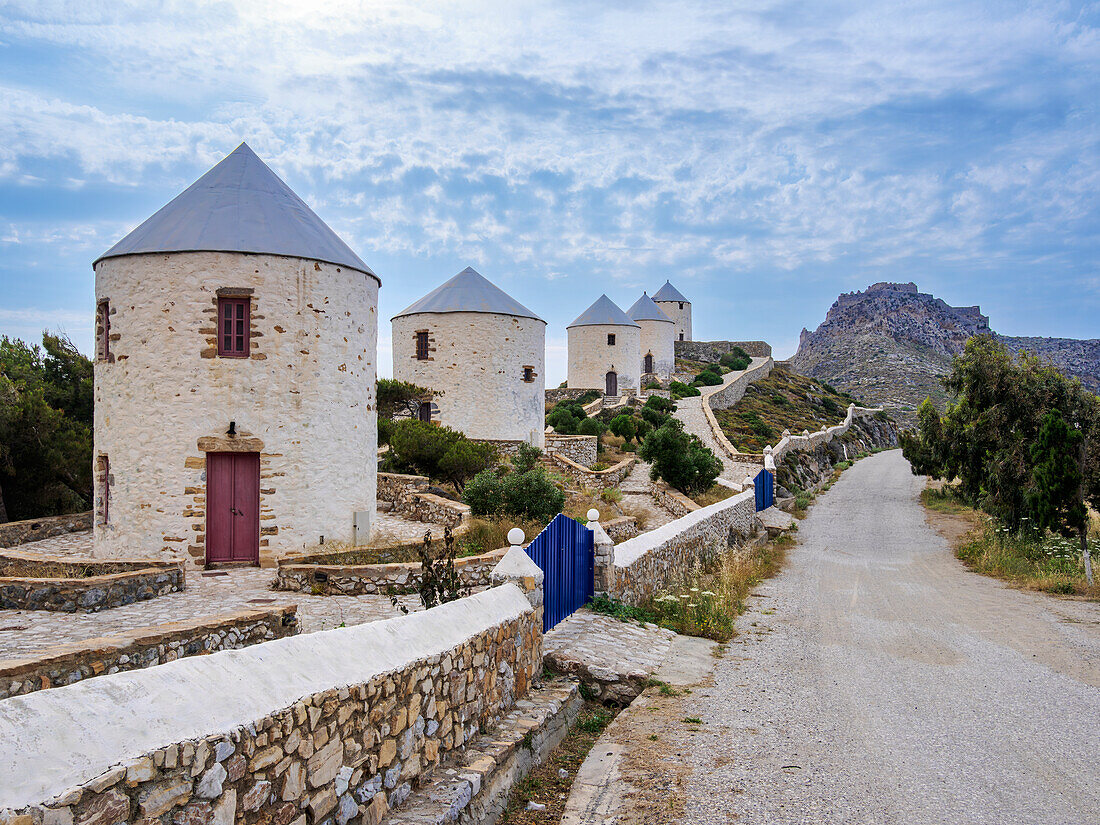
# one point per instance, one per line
(602, 313)
(669, 293)
(239, 206)
(469, 291)
(645, 310)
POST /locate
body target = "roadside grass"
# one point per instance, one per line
(1048, 563)
(707, 601)
(545, 784)
(716, 493)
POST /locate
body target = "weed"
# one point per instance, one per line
(692, 720)
(594, 722)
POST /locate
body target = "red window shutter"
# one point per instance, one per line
(233, 327)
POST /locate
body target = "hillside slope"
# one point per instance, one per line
(890, 344)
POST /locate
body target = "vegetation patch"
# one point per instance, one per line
(784, 400)
(549, 784)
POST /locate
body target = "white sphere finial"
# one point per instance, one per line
(516, 537)
(593, 514)
(748, 482)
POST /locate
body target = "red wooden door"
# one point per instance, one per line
(611, 382)
(232, 507)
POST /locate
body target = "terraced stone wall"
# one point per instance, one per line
(580, 449)
(144, 647)
(642, 565)
(335, 727)
(13, 533)
(32, 582)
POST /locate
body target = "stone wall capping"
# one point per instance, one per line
(114, 583)
(13, 533)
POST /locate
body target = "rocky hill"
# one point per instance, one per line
(889, 344)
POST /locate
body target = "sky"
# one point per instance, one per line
(765, 157)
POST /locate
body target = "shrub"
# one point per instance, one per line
(385, 430)
(734, 361)
(531, 495)
(642, 429)
(651, 385)
(483, 493)
(563, 420)
(588, 397)
(438, 452)
(653, 417)
(624, 426)
(655, 402)
(591, 426)
(707, 378)
(678, 390)
(526, 458)
(680, 458)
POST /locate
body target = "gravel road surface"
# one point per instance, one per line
(878, 681)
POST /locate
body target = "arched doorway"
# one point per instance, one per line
(611, 384)
(647, 366)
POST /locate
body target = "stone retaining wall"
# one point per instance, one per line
(580, 449)
(359, 579)
(642, 565)
(808, 440)
(553, 396)
(672, 499)
(621, 528)
(331, 727)
(143, 647)
(611, 477)
(711, 351)
(435, 509)
(84, 586)
(733, 392)
(396, 487)
(13, 533)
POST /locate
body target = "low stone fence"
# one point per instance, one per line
(333, 726)
(734, 391)
(32, 582)
(611, 477)
(641, 566)
(580, 449)
(808, 440)
(396, 487)
(711, 351)
(334, 579)
(621, 528)
(13, 533)
(672, 499)
(143, 647)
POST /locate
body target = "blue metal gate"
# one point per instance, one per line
(765, 490)
(563, 552)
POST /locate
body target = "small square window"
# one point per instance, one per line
(611, 339)
(422, 346)
(233, 323)
(529, 374)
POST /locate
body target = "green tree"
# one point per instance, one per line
(680, 458)
(437, 452)
(624, 426)
(400, 398)
(46, 412)
(1056, 495)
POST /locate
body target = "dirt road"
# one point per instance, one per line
(878, 681)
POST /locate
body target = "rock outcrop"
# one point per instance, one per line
(890, 344)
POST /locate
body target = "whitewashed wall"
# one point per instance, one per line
(658, 338)
(477, 361)
(680, 317)
(304, 399)
(590, 357)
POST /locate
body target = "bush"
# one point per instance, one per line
(680, 458)
(678, 390)
(652, 385)
(531, 495)
(483, 493)
(588, 397)
(563, 420)
(707, 378)
(653, 417)
(735, 361)
(591, 426)
(438, 452)
(385, 430)
(526, 458)
(655, 402)
(624, 426)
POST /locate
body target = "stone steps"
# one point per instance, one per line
(473, 787)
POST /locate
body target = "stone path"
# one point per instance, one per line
(638, 500)
(877, 680)
(690, 411)
(615, 657)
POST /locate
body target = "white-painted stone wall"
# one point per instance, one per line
(476, 360)
(304, 399)
(680, 313)
(658, 338)
(591, 358)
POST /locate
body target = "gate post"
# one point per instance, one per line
(603, 550)
(517, 567)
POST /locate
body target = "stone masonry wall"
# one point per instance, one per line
(476, 361)
(642, 565)
(735, 390)
(335, 727)
(672, 500)
(711, 351)
(580, 449)
(13, 533)
(396, 487)
(29, 582)
(167, 399)
(143, 647)
(598, 479)
(360, 579)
